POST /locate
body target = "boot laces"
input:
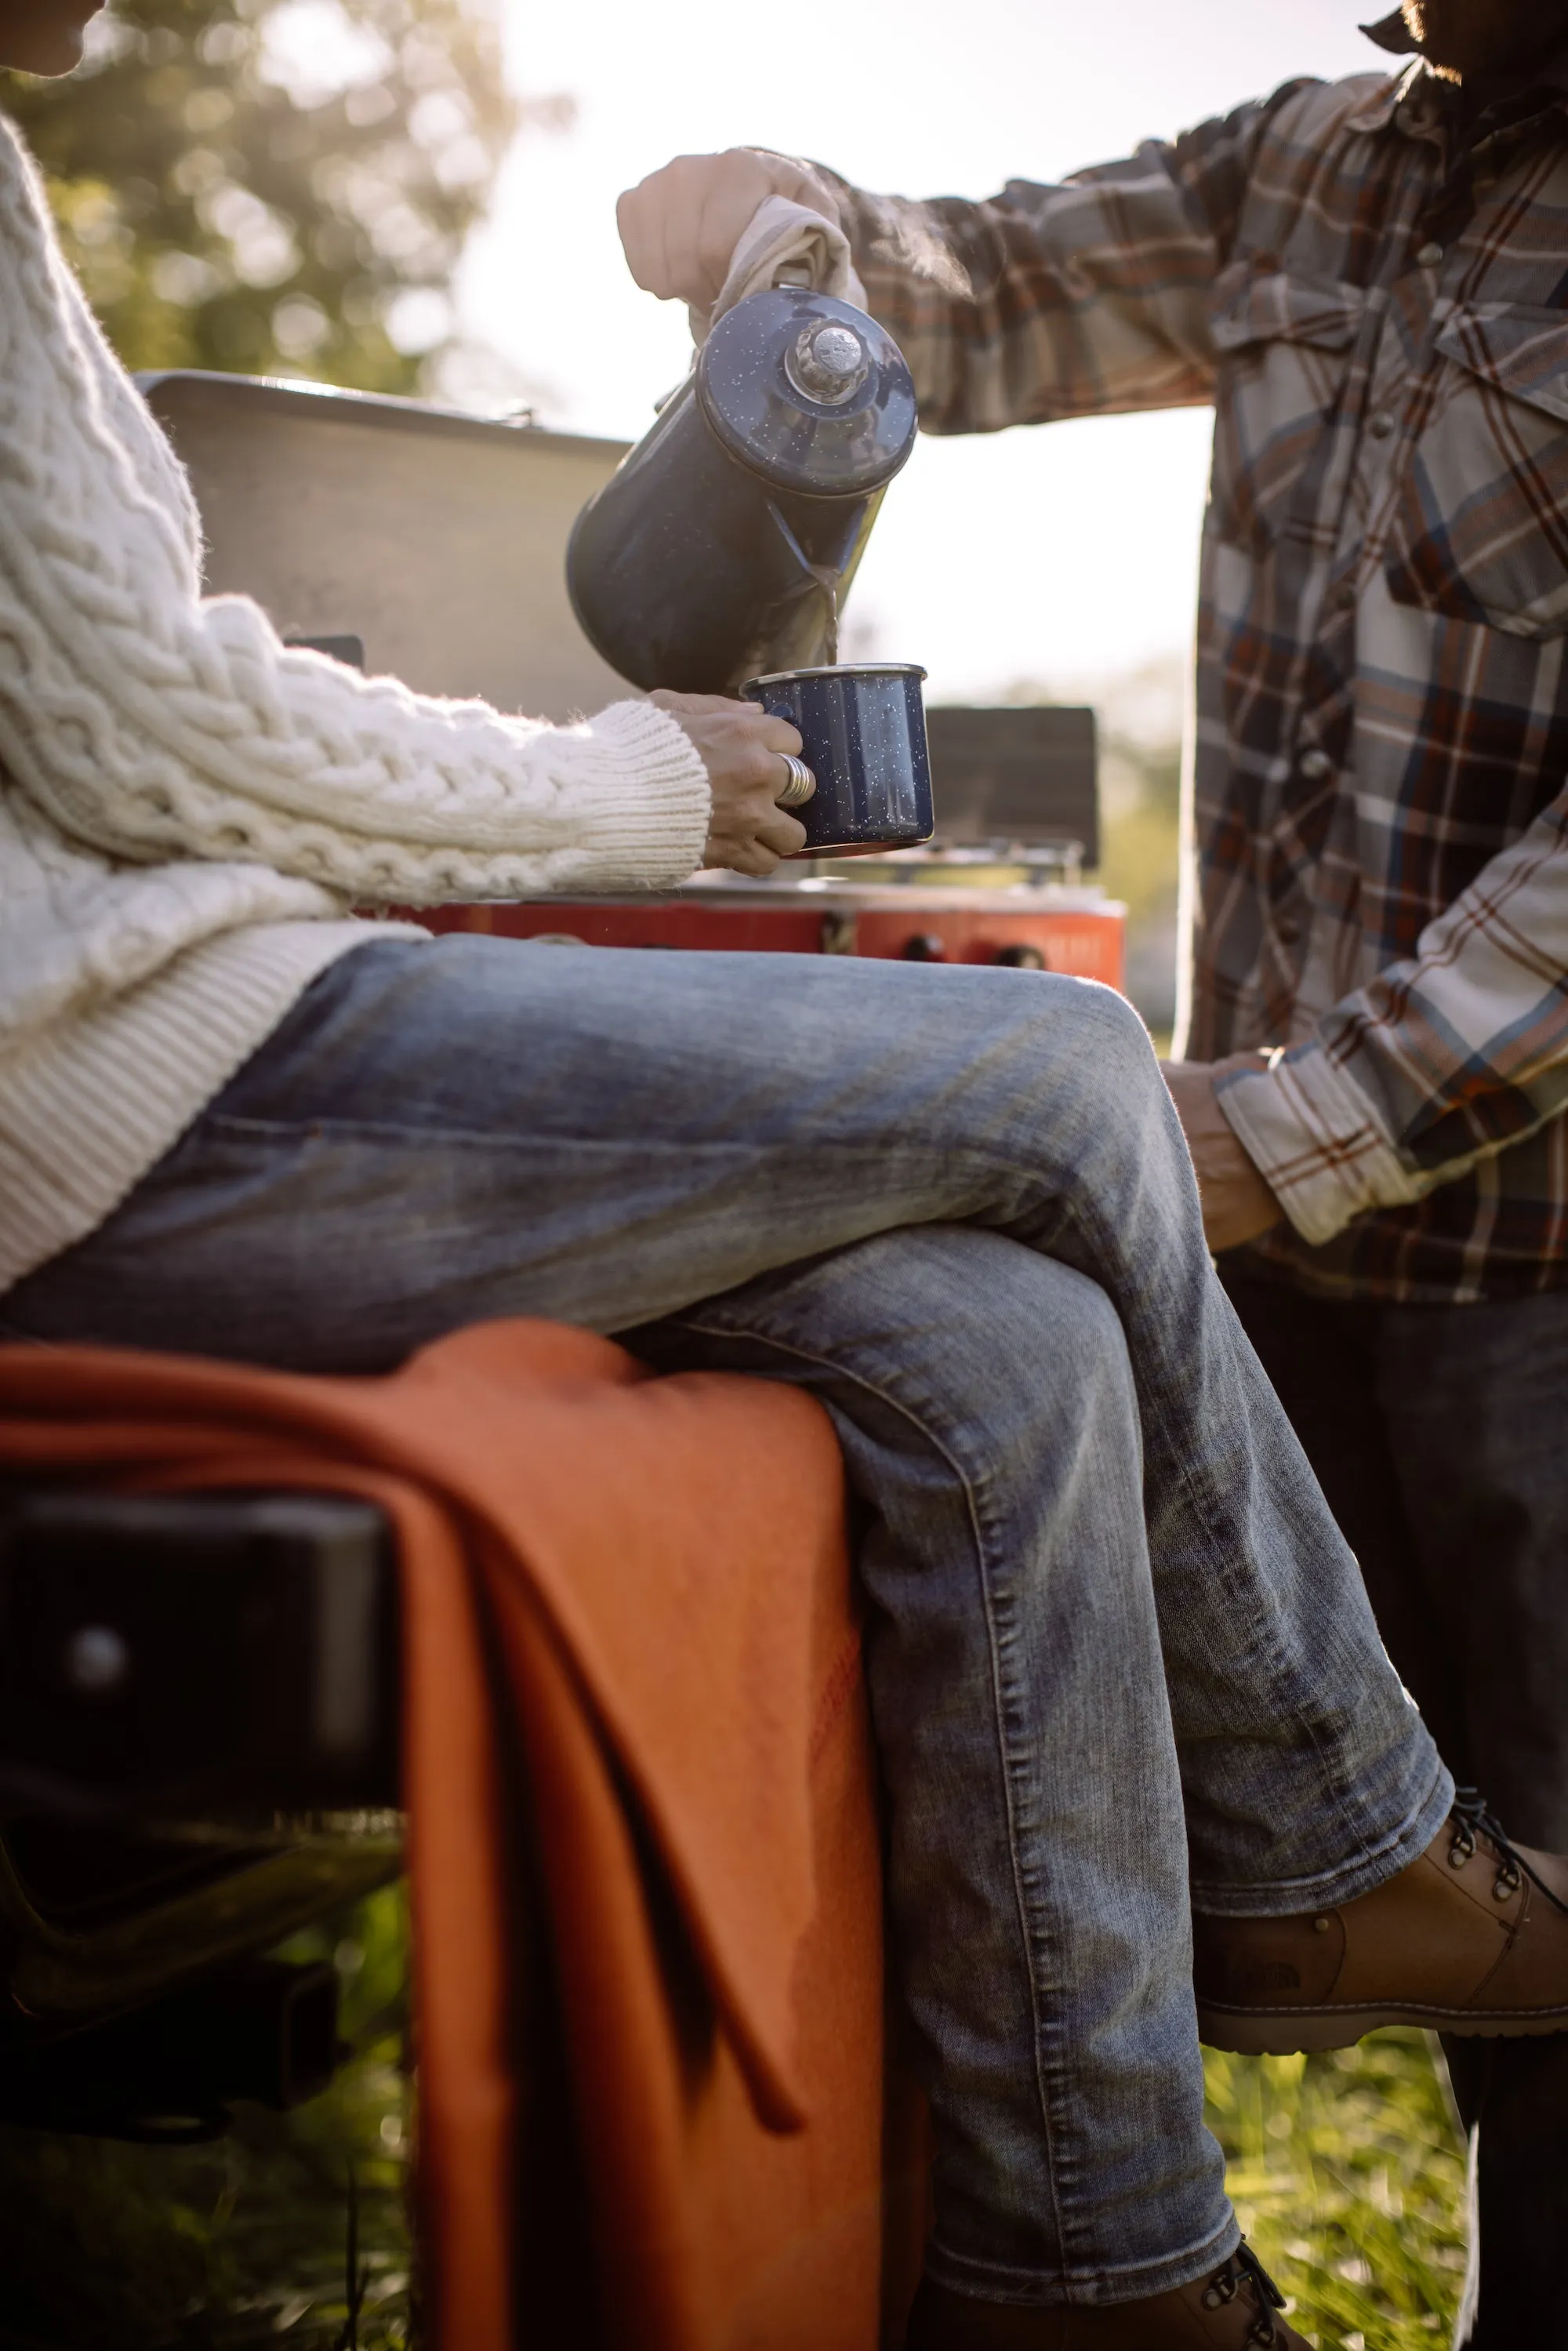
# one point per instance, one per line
(1244, 2269)
(1473, 1818)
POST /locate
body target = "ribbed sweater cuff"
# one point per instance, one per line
(640, 800)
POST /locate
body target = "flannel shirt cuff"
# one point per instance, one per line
(1315, 1140)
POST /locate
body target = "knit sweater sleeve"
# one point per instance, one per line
(150, 723)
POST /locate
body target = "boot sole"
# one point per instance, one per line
(1290, 2031)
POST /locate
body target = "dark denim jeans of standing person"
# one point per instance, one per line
(1437, 1432)
(1114, 1632)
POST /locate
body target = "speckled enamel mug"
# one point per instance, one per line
(862, 731)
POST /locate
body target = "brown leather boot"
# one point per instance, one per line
(1236, 2308)
(1471, 1939)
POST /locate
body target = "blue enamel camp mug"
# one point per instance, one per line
(863, 732)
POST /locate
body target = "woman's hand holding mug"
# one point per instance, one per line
(746, 752)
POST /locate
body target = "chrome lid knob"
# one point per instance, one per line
(827, 363)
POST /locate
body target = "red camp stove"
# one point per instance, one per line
(1018, 810)
(931, 913)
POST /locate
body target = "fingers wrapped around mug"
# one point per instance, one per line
(751, 758)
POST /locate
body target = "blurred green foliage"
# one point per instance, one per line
(244, 2241)
(1139, 713)
(1140, 862)
(1349, 2178)
(275, 186)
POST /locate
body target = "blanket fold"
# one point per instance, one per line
(640, 1588)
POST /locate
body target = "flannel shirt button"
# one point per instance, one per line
(1431, 256)
(1287, 930)
(1315, 765)
(1383, 426)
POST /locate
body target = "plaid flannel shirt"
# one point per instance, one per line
(1373, 294)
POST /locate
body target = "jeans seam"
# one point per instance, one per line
(246, 1127)
(1370, 1869)
(1199, 1495)
(1172, 2270)
(1089, 1231)
(872, 1387)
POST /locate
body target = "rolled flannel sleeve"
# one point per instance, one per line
(1442, 1061)
(1083, 298)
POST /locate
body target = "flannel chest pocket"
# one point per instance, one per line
(1480, 528)
(1283, 343)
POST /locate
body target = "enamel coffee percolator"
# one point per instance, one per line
(725, 542)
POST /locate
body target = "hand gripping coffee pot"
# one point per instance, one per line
(723, 544)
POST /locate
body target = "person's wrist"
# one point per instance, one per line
(1238, 1204)
(807, 186)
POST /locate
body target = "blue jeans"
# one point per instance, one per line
(1121, 1659)
(1437, 1431)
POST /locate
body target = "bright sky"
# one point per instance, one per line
(1065, 553)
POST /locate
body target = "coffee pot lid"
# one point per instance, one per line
(808, 393)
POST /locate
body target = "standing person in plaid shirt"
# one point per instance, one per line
(1370, 282)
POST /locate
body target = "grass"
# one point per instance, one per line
(1349, 2179)
(1346, 2171)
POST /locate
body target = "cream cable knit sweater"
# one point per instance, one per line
(187, 810)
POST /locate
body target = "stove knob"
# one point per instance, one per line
(1021, 958)
(925, 946)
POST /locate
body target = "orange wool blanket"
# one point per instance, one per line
(634, 1707)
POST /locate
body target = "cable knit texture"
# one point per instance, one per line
(188, 809)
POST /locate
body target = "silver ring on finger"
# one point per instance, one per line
(803, 783)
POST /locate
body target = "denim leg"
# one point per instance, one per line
(473, 1127)
(468, 1127)
(985, 1401)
